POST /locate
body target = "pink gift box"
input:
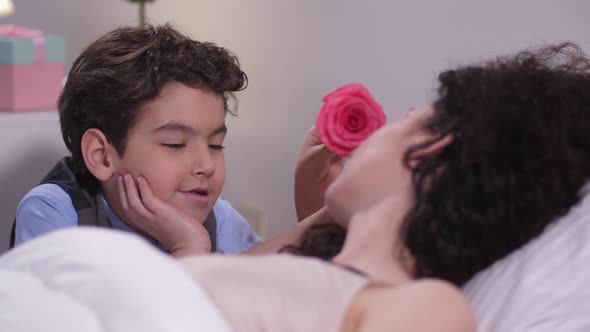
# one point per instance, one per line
(31, 74)
(30, 87)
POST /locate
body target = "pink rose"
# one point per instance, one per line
(348, 117)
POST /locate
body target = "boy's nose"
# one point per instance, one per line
(203, 164)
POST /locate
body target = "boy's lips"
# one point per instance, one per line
(200, 196)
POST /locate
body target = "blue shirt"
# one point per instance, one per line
(48, 207)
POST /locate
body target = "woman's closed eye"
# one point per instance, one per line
(216, 147)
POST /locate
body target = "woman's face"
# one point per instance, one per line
(376, 169)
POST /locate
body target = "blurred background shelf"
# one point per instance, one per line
(31, 144)
(45, 117)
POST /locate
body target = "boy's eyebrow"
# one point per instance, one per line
(176, 126)
(219, 130)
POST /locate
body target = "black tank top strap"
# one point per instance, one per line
(351, 269)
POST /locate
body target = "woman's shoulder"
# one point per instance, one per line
(420, 305)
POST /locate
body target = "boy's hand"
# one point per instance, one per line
(178, 232)
(315, 170)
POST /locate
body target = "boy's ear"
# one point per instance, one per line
(97, 153)
(433, 148)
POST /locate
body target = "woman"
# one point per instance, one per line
(518, 158)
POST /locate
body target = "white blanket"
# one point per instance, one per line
(89, 279)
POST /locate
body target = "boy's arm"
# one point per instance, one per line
(315, 170)
(44, 209)
(289, 236)
(235, 235)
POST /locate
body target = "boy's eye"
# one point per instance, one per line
(216, 147)
(174, 146)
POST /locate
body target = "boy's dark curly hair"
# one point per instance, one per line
(519, 159)
(118, 73)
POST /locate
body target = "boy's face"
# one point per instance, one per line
(176, 144)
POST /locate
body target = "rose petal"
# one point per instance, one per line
(346, 90)
(349, 115)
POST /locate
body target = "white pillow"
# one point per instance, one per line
(91, 279)
(544, 286)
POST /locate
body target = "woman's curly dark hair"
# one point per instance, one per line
(118, 73)
(519, 158)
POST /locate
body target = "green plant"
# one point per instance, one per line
(142, 4)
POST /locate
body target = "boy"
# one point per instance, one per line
(142, 113)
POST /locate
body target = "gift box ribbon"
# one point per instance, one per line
(12, 31)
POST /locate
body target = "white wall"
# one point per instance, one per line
(295, 51)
